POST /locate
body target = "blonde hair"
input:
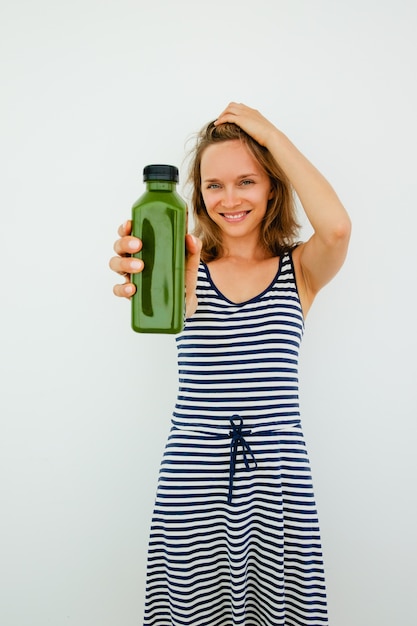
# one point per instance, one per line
(280, 227)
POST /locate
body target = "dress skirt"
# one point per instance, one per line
(235, 536)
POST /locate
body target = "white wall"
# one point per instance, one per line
(91, 92)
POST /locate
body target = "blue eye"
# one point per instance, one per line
(246, 182)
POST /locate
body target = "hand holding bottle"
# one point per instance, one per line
(126, 265)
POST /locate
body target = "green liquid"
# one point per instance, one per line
(159, 220)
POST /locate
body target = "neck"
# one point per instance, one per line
(245, 250)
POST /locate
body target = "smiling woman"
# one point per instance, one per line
(279, 226)
(232, 196)
(237, 203)
(235, 538)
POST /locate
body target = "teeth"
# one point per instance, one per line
(235, 216)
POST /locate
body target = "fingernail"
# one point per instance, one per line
(132, 244)
(136, 264)
(128, 290)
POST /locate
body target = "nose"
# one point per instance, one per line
(230, 198)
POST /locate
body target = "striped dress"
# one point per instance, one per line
(235, 538)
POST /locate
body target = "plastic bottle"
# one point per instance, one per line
(159, 219)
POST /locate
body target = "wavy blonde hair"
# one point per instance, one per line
(279, 228)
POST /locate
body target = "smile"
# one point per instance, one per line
(235, 217)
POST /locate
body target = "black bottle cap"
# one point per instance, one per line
(160, 172)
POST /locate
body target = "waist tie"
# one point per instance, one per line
(237, 435)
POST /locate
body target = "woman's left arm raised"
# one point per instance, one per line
(321, 257)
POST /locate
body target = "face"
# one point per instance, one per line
(235, 189)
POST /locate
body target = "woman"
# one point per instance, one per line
(235, 537)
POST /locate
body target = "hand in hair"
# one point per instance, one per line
(249, 120)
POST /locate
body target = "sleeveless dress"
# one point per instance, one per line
(235, 537)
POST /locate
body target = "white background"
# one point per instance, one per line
(93, 90)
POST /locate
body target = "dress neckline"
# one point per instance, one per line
(254, 298)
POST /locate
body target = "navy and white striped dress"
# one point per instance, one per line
(235, 537)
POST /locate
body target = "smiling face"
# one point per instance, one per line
(235, 189)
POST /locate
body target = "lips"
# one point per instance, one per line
(235, 217)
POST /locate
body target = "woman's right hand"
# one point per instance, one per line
(124, 264)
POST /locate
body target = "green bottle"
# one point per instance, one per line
(159, 219)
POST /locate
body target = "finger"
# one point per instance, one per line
(125, 228)
(126, 265)
(127, 245)
(229, 114)
(126, 290)
(193, 246)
